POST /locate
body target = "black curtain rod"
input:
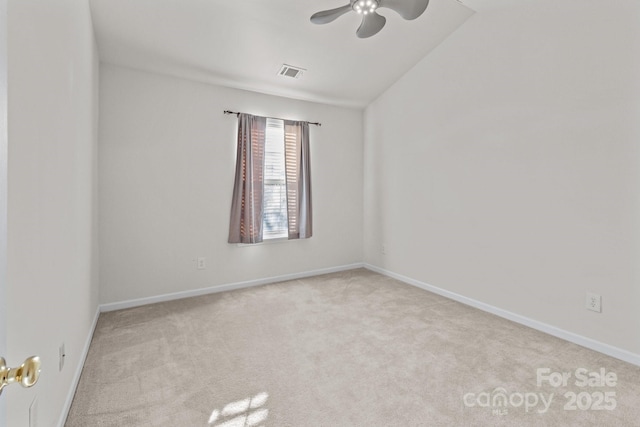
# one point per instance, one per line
(236, 113)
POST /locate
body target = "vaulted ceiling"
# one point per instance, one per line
(243, 43)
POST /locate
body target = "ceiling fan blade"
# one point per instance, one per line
(408, 9)
(327, 16)
(371, 24)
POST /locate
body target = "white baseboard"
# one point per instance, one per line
(78, 373)
(589, 343)
(222, 288)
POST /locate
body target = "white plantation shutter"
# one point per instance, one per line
(292, 169)
(275, 224)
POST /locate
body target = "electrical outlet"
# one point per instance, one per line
(594, 302)
(383, 249)
(202, 263)
(63, 355)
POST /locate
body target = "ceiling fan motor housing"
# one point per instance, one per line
(364, 7)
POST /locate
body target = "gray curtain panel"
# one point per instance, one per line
(247, 204)
(296, 139)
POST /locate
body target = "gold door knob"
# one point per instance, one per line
(27, 374)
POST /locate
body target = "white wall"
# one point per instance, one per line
(167, 160)
(3, 191)
(52, 225)
(504, 167)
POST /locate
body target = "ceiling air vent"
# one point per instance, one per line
(291, 71)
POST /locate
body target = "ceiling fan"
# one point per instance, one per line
(371, 21)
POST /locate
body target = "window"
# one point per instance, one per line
(272, 186)
(274, 221)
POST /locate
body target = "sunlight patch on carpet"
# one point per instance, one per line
(246, 412)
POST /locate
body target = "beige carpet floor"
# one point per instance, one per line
(346, 349)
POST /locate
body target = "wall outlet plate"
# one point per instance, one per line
(202, 263)
(594, 302)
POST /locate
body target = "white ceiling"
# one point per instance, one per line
(243, 43)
